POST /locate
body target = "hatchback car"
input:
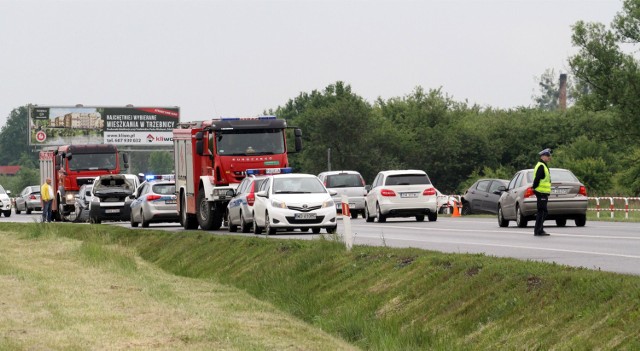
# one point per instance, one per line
(240, 207)
(401, 193)
(289, 201)
(83, 199)
(483, 196)
(568, 199)
(348, 183)
(28, 200)
(111, 198)
(5, 202)
(155, 201)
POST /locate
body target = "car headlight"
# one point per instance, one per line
(328, 203)
(278, 204)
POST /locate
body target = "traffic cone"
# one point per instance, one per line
(456, 212)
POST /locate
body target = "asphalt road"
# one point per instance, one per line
(607, 246)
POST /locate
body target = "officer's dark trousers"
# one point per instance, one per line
(541, 202)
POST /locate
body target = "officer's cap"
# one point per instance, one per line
(545, 152)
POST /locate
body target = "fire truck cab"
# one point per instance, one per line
(211, 159)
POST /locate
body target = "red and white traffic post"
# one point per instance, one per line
(346, 221)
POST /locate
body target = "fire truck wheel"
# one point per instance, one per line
(205, 212)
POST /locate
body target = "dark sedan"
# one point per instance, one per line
(483, 196)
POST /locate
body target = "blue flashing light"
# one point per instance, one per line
(269, 171)
(149, 177)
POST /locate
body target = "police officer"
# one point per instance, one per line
(542, 189)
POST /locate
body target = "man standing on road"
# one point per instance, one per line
(542, 189)
(46, 195)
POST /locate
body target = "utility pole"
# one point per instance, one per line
(328, 159)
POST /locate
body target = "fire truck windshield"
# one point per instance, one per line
(249, 142)
(80, 162)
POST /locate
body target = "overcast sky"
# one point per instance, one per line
(238, 58)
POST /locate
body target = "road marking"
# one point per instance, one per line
(504, 231)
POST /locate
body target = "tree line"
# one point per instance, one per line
(455, 142)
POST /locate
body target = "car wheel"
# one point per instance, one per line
(267, 225)
(367, 216)
(466, 209)
(520, 219)
(28, 210)
(7, 213)
(232, 227)
(244, 226)
(256, 229)
(134, 224)
(581, 221)
(381, 218)
(332, 230)
(145, 223)
(433, 216)
(354, 214)
(95, 220)
(501, 221)
(561, 222)
(315, 230)
(420, 218)
(18, 211)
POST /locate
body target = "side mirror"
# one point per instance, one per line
(333, 192)
(231, 193)
(68, 156)
(8, 192)
(298, 139)
(367, 187)
(501, 189)
(262, 193)
(199, 143)
(125, 159)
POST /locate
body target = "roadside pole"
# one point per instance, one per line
(346, 221)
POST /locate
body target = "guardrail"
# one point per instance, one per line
(612, 205)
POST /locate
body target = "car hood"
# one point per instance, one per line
(4, 197)
(301, 199)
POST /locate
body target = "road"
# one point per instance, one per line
(607, 246)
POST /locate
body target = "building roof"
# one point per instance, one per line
(9, 170)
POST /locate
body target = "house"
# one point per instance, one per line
(9, 170)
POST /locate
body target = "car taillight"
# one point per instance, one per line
(429, 192)
(529, 192)
(583, 191)
(251, 199)
(152, 197)
(32, 197)
(387, 192)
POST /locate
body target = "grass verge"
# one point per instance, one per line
(382, 298)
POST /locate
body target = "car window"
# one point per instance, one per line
(243, 185)
(377, 181)
(483, 185)
(297, 185)
(258, 184)
(562, 175)
(495, 185)
(407, 179)
(347, 180)
(164, 189)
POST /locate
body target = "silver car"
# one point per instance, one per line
(568, 199)
(28, 200)
(349, 183)
(83, 199)
(155, 201)
(240, 208)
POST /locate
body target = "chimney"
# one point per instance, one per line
(563, 92)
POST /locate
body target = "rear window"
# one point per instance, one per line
(557, 175)
(407, 179)
(164, 189)
(344, 181)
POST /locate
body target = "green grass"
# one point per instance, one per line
(381, 298)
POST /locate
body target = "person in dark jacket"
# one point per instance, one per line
(542, 188)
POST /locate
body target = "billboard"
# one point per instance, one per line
(130, 126)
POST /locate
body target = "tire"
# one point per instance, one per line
(304, 230)
(256, 229)
(581, 221)
(367, 216)
(134, 224)
(188, 220)
(7, 213)
(466, 209)
(332, 230)
(561, 222)
(420, 218)
(232, 227)
(95, 220)
(27, 210)
(315, 230)
(503, 223)
(267, 225)
(354, 214)
(145, 223)
(205, 214)
(18, 211)
(433, 216)
(244, 226)
(520, 219)
(381, 218)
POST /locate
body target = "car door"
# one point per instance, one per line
(372, 196)
(493, 195)
(479, 196)
(136, 205)
(260, 204)
(236, 203)
(509, 197)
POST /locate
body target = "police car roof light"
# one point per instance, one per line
(267, 171)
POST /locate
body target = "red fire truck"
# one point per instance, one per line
(71, 166)
(211, 158)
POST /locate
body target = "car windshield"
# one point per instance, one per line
(297, 186)
(2, 191)
(407, 179)
(164, 189)
(92, 162)
(250, 142)
(557, 175)
(344, 181)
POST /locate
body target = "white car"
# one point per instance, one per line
(401, 193)
(5, 202)
(290, 201)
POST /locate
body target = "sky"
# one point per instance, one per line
(240, 58)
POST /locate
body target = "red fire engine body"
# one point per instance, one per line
(211, 158)
(71, 166)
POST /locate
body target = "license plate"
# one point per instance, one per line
(112, 210)
(408, 194)
(170, 202)
(339, 205)
(559, 191)
(305, 216)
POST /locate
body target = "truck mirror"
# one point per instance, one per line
(125, 158)
(298, 140)
(58, 161)
(199, 136)
(68, 156)
(298, 132)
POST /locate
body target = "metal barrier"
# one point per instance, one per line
(612, 207)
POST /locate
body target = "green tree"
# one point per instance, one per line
(160, 162)
(14, 138)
